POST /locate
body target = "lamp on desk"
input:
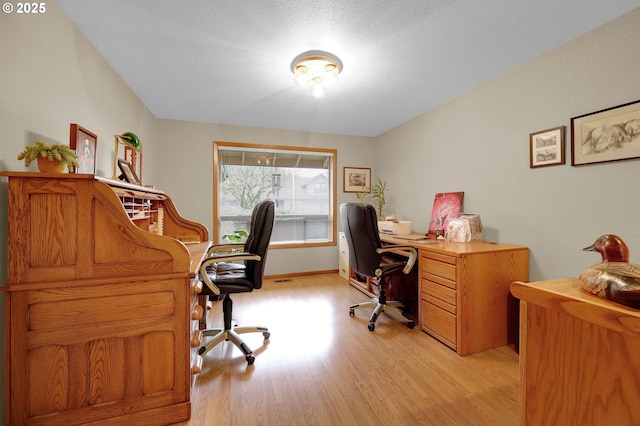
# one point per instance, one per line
(132, 152)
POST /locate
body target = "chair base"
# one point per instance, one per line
(233, 335)
(231, 332)
(392, 307)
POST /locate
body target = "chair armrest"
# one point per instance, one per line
(413, 255)
(218, 259)
(224, 248)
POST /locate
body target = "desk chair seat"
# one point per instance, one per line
(238, 268)
(369, 258)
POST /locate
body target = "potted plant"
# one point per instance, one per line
(236, 237)
(51, 158)
(378, 194)
(362, 195)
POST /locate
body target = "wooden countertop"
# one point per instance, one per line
(449, 248)
(565, 295)
(196, 254)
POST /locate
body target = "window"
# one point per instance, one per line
(300, 180)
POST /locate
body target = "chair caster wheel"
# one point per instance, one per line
(266, 335)
(250, 360)
(372, 327)
(352, 312)
(411, 324)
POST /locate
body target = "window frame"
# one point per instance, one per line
(333, 187)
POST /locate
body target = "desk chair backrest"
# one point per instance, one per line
(260, 230)
(360, 226)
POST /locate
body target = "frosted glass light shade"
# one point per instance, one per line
(317, 69)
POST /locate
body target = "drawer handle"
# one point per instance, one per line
(197, 367)
(197, 312)
(196, 339)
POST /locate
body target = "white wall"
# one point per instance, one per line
(187, 175)
(479, 143)
(51, 76)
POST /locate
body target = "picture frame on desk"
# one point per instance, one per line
(546, 148)
(128, 174)
(611, 134)
(84, 143)
(357, 179)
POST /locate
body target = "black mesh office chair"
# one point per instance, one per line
(369, 258)
(225, 272)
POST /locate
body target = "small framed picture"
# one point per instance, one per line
(546, 148)
(128, 174)
(357, 179)
(612, 134)
(84, 143)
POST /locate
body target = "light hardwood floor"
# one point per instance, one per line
(323, 367)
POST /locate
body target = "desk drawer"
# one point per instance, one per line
(434, 289)
(443, 258)
(445, 269)
(438, 323)
(439, 303)
(439, 280)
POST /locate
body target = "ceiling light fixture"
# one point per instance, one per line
(316, 68)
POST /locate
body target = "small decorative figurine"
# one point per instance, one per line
(614, 278)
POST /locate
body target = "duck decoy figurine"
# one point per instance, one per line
(614, 278)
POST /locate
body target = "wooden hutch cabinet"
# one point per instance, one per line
(101, 305)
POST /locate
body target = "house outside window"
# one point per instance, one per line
(300, 180)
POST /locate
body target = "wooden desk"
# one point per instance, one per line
(99, 310)
(464, 291)
(579, 356)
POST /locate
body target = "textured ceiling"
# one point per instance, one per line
(227, 61)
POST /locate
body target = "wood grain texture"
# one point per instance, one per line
(323, 367)
(97, 309)
(580, 364)
(465, 292)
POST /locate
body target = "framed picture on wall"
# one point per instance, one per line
(546, 148)
(357, 179)
(84, 143)
(611, 134)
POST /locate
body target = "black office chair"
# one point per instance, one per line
(368, 257)
(238, 268)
